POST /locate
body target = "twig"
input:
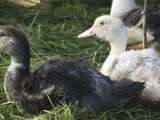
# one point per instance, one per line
(145, 45)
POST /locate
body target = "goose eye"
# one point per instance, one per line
(102, 23)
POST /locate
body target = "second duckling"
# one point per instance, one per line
(137, 65)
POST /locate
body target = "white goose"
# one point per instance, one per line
(138, 65)
(132, 16)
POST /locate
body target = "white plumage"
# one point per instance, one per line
(137, 65)
(121, 7)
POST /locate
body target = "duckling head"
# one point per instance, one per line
(14, 43)
(107, 28)
(10, 38)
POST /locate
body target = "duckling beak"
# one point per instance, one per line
(87, 33)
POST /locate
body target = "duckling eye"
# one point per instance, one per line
(102, 23)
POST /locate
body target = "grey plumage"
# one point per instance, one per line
(135, 16)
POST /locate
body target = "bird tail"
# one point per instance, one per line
(127, 89)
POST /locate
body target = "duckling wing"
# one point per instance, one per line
(72, 81)
(134, 59)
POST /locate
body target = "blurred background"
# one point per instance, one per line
(49, 6)
(30, 3)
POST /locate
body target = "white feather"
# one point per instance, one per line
(120, 7)
(48, 90)
(15, 65)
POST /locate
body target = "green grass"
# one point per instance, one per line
(53, 32)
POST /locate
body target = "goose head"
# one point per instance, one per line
(110, 29)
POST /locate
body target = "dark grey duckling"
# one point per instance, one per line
(58, 80)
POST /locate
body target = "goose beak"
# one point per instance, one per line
(87, 33)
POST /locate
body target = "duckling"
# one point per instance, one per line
(132, 15)
(137, 65)
(57, 80)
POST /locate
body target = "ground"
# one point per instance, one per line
(52, 31)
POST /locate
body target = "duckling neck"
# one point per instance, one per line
(121, 7)
(22, 61)
(17, 73)
(117, 48)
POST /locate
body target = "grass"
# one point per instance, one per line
(53, 32)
